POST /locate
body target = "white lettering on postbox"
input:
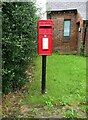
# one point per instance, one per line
(45, 43)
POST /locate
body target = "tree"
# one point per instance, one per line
(19, 42)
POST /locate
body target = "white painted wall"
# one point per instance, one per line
(42, 5)
(67, 0)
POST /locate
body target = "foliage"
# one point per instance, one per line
(64, 101)
(48, 101)
(19, 44)
(71, 114)
(82, 49)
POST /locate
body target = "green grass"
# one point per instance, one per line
(65, 81)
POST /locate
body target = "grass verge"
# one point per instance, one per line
(65, 81)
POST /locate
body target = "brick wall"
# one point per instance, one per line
(59, 42)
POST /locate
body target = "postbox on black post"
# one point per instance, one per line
(44, 45)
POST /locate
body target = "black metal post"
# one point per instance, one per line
(43, 73)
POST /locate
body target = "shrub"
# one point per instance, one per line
(19, 44)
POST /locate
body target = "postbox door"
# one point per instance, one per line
(45, 45)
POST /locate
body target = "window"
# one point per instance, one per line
(67, 24)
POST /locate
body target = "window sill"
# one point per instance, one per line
(66, 39)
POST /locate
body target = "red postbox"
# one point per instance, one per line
(44, 37)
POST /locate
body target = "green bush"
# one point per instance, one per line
(82, 49)
(19, 42)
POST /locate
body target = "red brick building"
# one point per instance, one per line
(70, 31)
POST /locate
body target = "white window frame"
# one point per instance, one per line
(67, 28)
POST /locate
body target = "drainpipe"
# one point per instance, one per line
(80, 39)
(84, 41)
(84, 35)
